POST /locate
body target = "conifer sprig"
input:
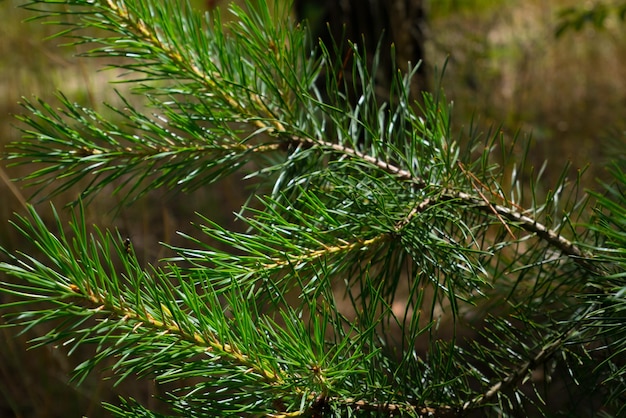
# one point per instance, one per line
(381, 242)
(429, 162)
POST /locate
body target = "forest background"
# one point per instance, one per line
(506, 69)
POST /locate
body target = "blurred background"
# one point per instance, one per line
(505, 69)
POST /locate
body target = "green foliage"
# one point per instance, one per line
(388, 270)
(575, 18)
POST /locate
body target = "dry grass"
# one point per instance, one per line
(505, 67)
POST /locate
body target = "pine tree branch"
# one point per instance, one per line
(379, 188)
(169, 325)
(84, 276)
(388, 409)
(444, 194)
(209, 80)
(521, 373)
(263, 118)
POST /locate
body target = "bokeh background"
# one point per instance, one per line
(505, 69)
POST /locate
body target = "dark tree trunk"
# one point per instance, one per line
(368, 22)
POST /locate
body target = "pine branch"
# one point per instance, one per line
(133, 24)
(379, 227)
(521, 373)
(82, 279)
(150, 323)
(513, 215)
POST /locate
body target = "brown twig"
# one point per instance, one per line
(473, 179)
(14, 190)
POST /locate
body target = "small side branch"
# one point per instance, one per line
(518, 374)
(388, 408)
(168, 325)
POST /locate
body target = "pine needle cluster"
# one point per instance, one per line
(386, 269)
